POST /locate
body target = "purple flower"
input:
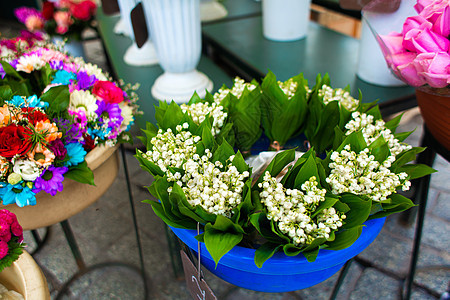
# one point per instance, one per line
(50, 180)
(2, 72)
(57, 147)
(72, 132)
(56, 64)
(111, 112)
(85, 81)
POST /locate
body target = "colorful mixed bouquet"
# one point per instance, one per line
(54, 109)
(11, 239)
(350, 173)
(420, 54)
(65, 18)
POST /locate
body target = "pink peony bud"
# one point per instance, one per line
(434, 68)
(442, 24)
(422, 40)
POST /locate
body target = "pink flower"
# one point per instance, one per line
(406, 69)
(422, 39)
(51, 55)
(421, 4)
(3, 249)
(442, 24)
(434, 68)
(433, 9)
(16, 229)
(34, 23)
(23, 13)
(107, 91)
(63, 20)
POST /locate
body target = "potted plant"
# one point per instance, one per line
(62, 20)
(299, 219)
(418, 54)
(19, 273)
(61, 121)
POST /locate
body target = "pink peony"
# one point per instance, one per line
(107, 91)
(442, 24)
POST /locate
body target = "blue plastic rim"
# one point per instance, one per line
(280, 273)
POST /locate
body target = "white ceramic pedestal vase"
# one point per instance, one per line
(73, 47)
(211, 10)
(175, 28)
(124, 25)
(25, 277)
(372, 67)
(134, 56)
(285, 20)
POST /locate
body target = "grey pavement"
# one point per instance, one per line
(105, 233)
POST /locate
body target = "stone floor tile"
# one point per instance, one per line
(375, 285)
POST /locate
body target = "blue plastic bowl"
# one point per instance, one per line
(280, 273)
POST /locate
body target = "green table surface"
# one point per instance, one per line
(322, 51)
(116, 45)
(239, 9)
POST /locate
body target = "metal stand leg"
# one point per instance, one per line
(40, 242)
(133, 213)
(340, 279)
(83, 269)
(421, 195)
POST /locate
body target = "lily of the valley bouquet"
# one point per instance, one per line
(355, 164)
(420, 53)
(54, 109)
(66, 18)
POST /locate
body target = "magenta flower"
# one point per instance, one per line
(4, 227)
(50, 180)
(23, 13)
(3, 249)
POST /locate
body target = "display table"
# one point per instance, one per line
(250, 55)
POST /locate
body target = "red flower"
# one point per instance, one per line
(108, 92)
(48, 9)
(88, 143)
(34, 115)
(14, 139)
(83, 10)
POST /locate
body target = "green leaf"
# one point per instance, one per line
(416, 170)
(221, 237)
(393, 123)
(266, 251)
(291, 250)
(345, 238)
(359, 210)
(9, 70)
(278, 163)
(311, 255)
(58, 98)
(5, 92)
(182, 223)
(172, 117)
(379, 149)
(398, 203)
(81, 173)
(308, 170)
(329, 202)
(223, 152)
(148, 165)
